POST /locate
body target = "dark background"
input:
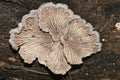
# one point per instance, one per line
(104, 65)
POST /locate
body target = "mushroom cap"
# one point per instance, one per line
(55, 36)
(117, 26)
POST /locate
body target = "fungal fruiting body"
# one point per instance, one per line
(117, 26)
(55, 36)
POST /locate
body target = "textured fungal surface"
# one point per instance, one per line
(55, 36)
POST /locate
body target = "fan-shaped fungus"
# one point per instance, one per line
(117, 26)
(56, 36)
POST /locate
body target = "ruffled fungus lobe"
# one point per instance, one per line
(55, 36)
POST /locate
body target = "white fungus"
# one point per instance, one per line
(55, 36)
(117, 26)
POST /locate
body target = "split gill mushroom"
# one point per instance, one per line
(55, 36)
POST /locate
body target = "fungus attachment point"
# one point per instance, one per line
(56, 36)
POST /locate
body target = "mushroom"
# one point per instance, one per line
(55, 36)
(117, 26)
